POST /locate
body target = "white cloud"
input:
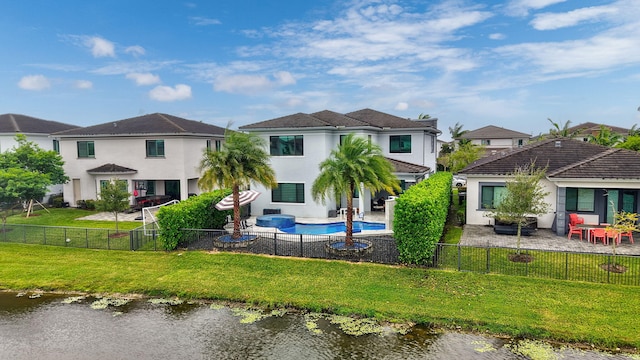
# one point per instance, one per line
(100, 47)
(168, 93)
(522, 7)
(203, 21)
(34, 82)
(83, 84)
(252, 84)
(497, 36)
(401, 106)
(135, 50)
(552, 21)
(142, 79)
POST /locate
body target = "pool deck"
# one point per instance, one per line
(374, 216)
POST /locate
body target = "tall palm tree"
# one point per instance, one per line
(356, 161)
(240, 161)
(456, 132)
(562, 132)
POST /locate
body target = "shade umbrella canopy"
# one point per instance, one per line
(246, 197)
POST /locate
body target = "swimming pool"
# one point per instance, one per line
(330, 228)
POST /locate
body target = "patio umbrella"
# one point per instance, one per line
(246, 197)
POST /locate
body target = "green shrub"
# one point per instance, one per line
(90, 204)
(419, 218)
(57, 201)
(196, 212)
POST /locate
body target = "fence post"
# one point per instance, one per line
(459, 256)
(44, 234)
(275, 243)
(24, 234)
(155, 243)
(131, 240)
(566, 265)
(86, 237)
(301, 248)
(488, 259)
(608, 269)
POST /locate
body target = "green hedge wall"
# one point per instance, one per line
(419, 218)
(197, 212)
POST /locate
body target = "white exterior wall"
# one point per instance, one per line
(181, 160)
(478, 216)
(317, 147)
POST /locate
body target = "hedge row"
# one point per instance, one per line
(196, 212)
(420, 216)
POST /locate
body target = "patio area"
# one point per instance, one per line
(543, 239)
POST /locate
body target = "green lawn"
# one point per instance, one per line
(67, 217)
(606, 315)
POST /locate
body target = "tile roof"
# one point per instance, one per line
(111, 169)
(156, 123)
(330, 119)
(593, 128)
(408, 168)
(564, 158)
(16, 123)
(493, 132)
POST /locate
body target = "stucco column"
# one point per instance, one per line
(561, 205)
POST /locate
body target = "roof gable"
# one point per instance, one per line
(16, 123)
(156, 123)
(298, 120)
(384, 120)
(609, 164)
(493, 132)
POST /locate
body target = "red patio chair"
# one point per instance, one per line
(598, 233)
(574, 219)
(628, 234)
(613, 235)
(574, 229)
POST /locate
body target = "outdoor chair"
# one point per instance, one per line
(613, 235)
(628, 234)
(574, 219)
(598, 233)
(573, 229)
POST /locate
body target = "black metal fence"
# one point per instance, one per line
(563, 265)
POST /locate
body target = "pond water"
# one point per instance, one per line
(48, 326)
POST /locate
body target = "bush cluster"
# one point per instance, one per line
(420, 216)
(196, 212)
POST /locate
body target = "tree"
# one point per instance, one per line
(632, 142)
(27, 170)
(354, 163)
(562, 132)
(113, 198)
(240, 161)
(18, 185)
(524, 197)
(605, 137)
(463, 156)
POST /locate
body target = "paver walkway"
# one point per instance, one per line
(543, 239)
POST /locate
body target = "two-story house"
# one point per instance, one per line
(156, 154)
(298, 143)
(36, 130)
(496, 139)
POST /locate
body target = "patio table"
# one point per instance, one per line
(588, 228)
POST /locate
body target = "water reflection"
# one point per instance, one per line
(47, 328)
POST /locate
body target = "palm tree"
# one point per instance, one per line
(356, 161)
(605, 137)
(456, 132)
(240, 161)
(562, 132)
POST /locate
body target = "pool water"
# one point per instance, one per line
(330, 228)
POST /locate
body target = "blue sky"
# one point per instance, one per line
(506, 63)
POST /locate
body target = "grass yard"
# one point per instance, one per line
(68, 217)
(605, 315)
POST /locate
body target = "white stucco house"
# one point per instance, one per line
(156, 154)
(298, 143)
(581, 177)
(36, 130)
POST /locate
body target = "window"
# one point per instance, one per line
(86, 149)
(580, 199)
(286, 145)
(155, 148)
(485, 142)
(520, 142)
(56, 146)
(123, 184)
(491, 195)
(342, 139)
(216, 143)
(400, 143)
(288, 193)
